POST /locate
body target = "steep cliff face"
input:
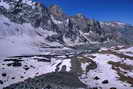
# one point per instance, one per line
(40, 27)
(70, 29)
(118, 31)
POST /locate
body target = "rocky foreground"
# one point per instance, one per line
(110, 68)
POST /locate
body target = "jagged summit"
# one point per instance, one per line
(56, 10)
(80, 15)
(52, 25)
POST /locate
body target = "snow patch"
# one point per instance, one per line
(104, 71)
(56, 21)
(84, 65)
(4, 4)
(67, 63)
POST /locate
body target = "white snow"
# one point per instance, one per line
(69, 42)
(39, 68)
(105, 72)
(16, 46)
(4, 4)
(56, 21)
(128, 51)
(67, 63)
(36, 68)
(113, 24)
(84, 65)
(29, 2)
(20, 39)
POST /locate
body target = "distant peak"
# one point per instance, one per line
(54, 6)
(118, 23)
(56, 10)
(80, 15)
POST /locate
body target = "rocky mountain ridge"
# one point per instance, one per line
(70, 29)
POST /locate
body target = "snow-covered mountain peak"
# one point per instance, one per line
(56, 10)
(34, 20)
(114, 24)
(10, 4)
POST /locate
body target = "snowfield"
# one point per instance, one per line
(16, 39)
(107, 74)
(29, 67)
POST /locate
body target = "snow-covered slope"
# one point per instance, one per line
(51, 26)
(114, 70)
(29, 67)
(22, 39)
(107, 69)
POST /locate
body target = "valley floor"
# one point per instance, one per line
(110, 68)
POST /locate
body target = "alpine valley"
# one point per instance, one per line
(44, 48)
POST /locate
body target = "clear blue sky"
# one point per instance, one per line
(103, 10)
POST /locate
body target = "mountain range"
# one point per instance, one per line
(30, 29)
